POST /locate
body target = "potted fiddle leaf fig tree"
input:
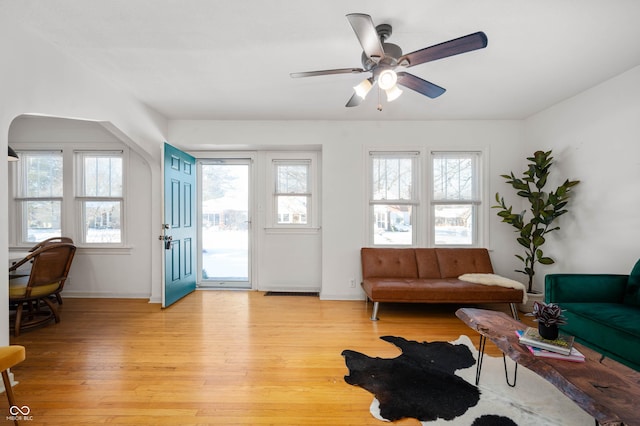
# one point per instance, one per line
(545, 207)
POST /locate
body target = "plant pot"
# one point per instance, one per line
(549, 332)
(527, 308)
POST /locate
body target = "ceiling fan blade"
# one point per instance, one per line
(327, 72)
(367, 35)
(354, 101)
(419, 85)
(443, 50)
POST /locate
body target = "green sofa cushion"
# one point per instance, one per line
(632, 293)
(611, 328)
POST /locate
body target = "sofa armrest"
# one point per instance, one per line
(585, 288)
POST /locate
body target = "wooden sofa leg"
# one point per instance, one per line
(374, 313)
(514, 311)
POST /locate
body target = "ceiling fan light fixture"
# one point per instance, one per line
(364, 87)
(387, 79)
(393, 93)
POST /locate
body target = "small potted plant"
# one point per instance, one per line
(549, 317)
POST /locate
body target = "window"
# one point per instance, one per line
(99, 192)
(38, 195)
(292, 191)
(393, 197)
(293, 183)
(445, 204)
(455, 197)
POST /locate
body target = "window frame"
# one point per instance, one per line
(413, 202)
(424, 218)
(71, 224)
(20, 198)
(475, 201)
(80, 198)
(308, 158)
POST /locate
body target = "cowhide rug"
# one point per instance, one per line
(433, 382)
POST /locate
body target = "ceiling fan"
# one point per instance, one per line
(382, 59)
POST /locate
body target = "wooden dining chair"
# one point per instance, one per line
(51, 240)
(29, 295)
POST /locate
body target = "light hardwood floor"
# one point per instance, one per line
(214, 358)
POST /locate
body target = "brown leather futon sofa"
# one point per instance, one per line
(430, 275)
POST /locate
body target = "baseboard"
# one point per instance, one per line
(91, 295)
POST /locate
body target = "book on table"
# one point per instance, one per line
(575, 355)
(561, 345)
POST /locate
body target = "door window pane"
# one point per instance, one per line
(225, 223)
(292, 192)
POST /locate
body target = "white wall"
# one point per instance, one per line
(344, 203)
(36, 78)
(122, 272)
(595, 138)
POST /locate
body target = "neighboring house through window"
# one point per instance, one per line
(78, 194)
(100, 196)
(441, 210)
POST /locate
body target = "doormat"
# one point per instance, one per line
(292, 293)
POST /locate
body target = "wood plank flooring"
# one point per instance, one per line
(214, 358)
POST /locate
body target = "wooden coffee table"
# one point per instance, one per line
(604, 388)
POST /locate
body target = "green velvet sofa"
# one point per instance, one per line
(602, 310)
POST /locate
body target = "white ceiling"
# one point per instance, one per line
(230, 60)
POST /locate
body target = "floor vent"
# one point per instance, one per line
(292, 293)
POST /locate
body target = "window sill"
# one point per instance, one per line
(313, 230)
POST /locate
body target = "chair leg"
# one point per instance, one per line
(8, 390)
(53, 309)
(59, 298)
(16, 328)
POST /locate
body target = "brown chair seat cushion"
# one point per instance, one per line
(18, 287)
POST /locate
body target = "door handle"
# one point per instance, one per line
(167, 241)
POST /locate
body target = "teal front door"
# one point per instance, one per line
(179, 236)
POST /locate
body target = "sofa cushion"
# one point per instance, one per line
(441, 290)
(611, 328)
(457, 261)
(427, 263)
(632, 292)
(388, 263)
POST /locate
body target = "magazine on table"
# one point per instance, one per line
(575, 355)
(561, 345)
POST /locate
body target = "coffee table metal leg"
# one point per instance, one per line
(506, 375)
(483, 341)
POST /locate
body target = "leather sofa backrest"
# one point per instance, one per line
(427, 263)
(454, 262)
(388, 263)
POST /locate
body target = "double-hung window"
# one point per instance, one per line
(99, 194)
(292, 182)
(38, 195)
(455, 197)
(393, 198)
(292, 191)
